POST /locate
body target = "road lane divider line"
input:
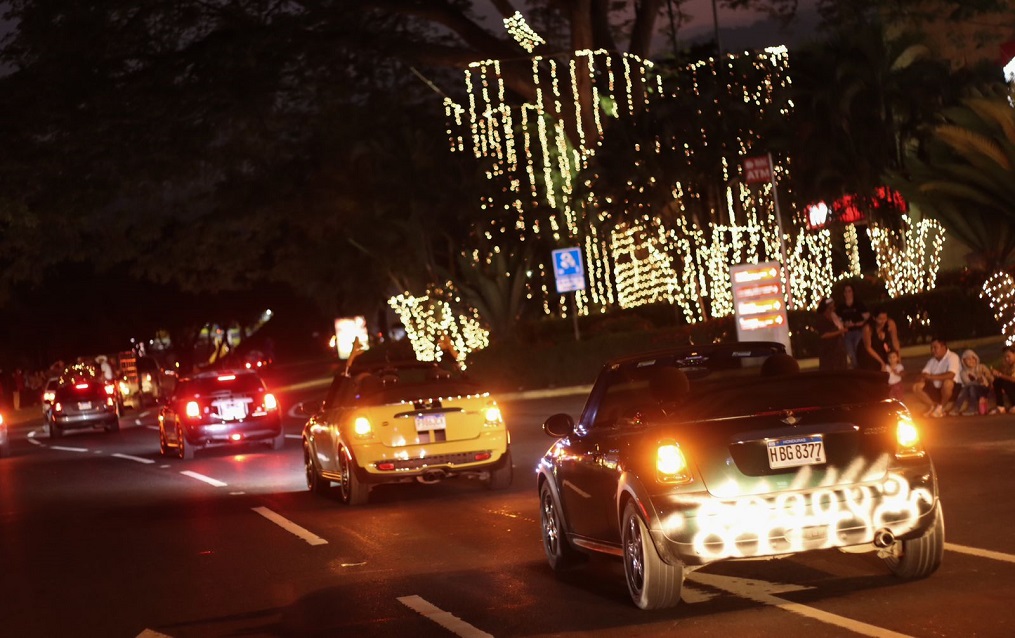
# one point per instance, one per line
(34, 442)
(201, 477)
(137, 459)
(64, 448)
(762, 592)
(289, 526)
(982, 553)
(152, 427)
(294, 436)
(445, 619)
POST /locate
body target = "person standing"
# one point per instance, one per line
(878, 337)
(854, 315)
(895, 370)
(19, 387)
(939, 379)
(832, 352)
(1004, 381)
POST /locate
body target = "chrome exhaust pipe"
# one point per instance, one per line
(884, 538)
(430, 477)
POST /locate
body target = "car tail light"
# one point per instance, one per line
(110, 390)
(227, 377)
(671, 465)
(81, 386)
(248, 365)
(193, 410)
(361, 426)
(109, 401)
(48, 396)
(493, 414)
(907, 439)
(269, 401)
(57, 407)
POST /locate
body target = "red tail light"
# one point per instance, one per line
(193, 410)
(269, 401)
(81, 386)
(57, 407)
(110, 390)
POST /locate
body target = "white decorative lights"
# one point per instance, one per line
(999, 290)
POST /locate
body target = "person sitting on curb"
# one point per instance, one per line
(976, 380)
(938, 387)
(1004, 381)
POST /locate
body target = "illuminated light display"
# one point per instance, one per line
(908, 260)
(999, 289)
(429, 317)
(522, 33)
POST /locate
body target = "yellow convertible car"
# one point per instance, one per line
(404, 423)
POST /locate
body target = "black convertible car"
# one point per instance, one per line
(699, 454)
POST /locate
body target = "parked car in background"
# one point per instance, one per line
(412, 422)
(82, 403)
(700, 454)
(48, 396)
(218, 408)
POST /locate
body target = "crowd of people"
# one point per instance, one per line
(854, 337)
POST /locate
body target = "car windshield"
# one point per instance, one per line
(205, 385)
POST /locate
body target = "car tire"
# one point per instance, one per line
(163, 446)
(561, 555)
(114, 426)
(501, 476)
(183, 449)
(316, 483)
(918, 557)
(54, 431)
(652, 583)
(353, 491)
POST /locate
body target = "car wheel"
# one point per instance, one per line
(918, 557)
(114, 426)
(353, 491)
(500, 476)
(183, 449)
(316, 483)
(163, 446)
(559, 551)
(54, 431)
(652, 583)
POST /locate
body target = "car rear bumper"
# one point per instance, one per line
(234, 432)
(377, 463)
(84, 420)
(711, 529)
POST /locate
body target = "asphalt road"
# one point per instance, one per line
(103, 537)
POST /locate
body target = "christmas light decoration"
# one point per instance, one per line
(908, 260)
(429, 317)
(522, 33)
(999, 290)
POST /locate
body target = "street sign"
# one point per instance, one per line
(757, 170)
(759, 302)
(568, 270)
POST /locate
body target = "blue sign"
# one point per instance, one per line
(568, 269)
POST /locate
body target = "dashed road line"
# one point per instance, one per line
(445, 619)
(763, 592)
(201, 477)
(137, 459)
(294, 436)
(64, 448)
(290, 526)
(982, 553)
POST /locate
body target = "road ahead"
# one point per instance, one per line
(103, 537)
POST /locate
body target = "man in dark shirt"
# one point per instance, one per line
(854, 314)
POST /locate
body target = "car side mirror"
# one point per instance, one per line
(559, 425)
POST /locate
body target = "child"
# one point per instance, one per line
(976, 380)
(894, 368)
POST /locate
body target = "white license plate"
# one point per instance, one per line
(427, 422)
(85, 405)
(232, 410)
(796, 451)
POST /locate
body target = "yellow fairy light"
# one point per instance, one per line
(522, 33)
(999, 290)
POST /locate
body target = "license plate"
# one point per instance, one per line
(232, 410)
(427, 422)
(797, 451)
(85, 405)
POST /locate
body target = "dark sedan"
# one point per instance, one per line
(695, 455)
(82, 403)
(219, 408)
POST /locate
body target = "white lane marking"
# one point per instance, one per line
(240, 493)
(31, 434)
(290, 526)
(201, 477)
(34, 442)
(64, 448)
(452, 623)
(165, 467)
(294, 436)
(137, 421)
(692, 595)
(133, 458)
(982, 553)
(762, 592)
(151, 633)
(152, 427)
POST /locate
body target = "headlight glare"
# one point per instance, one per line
(671, 464)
